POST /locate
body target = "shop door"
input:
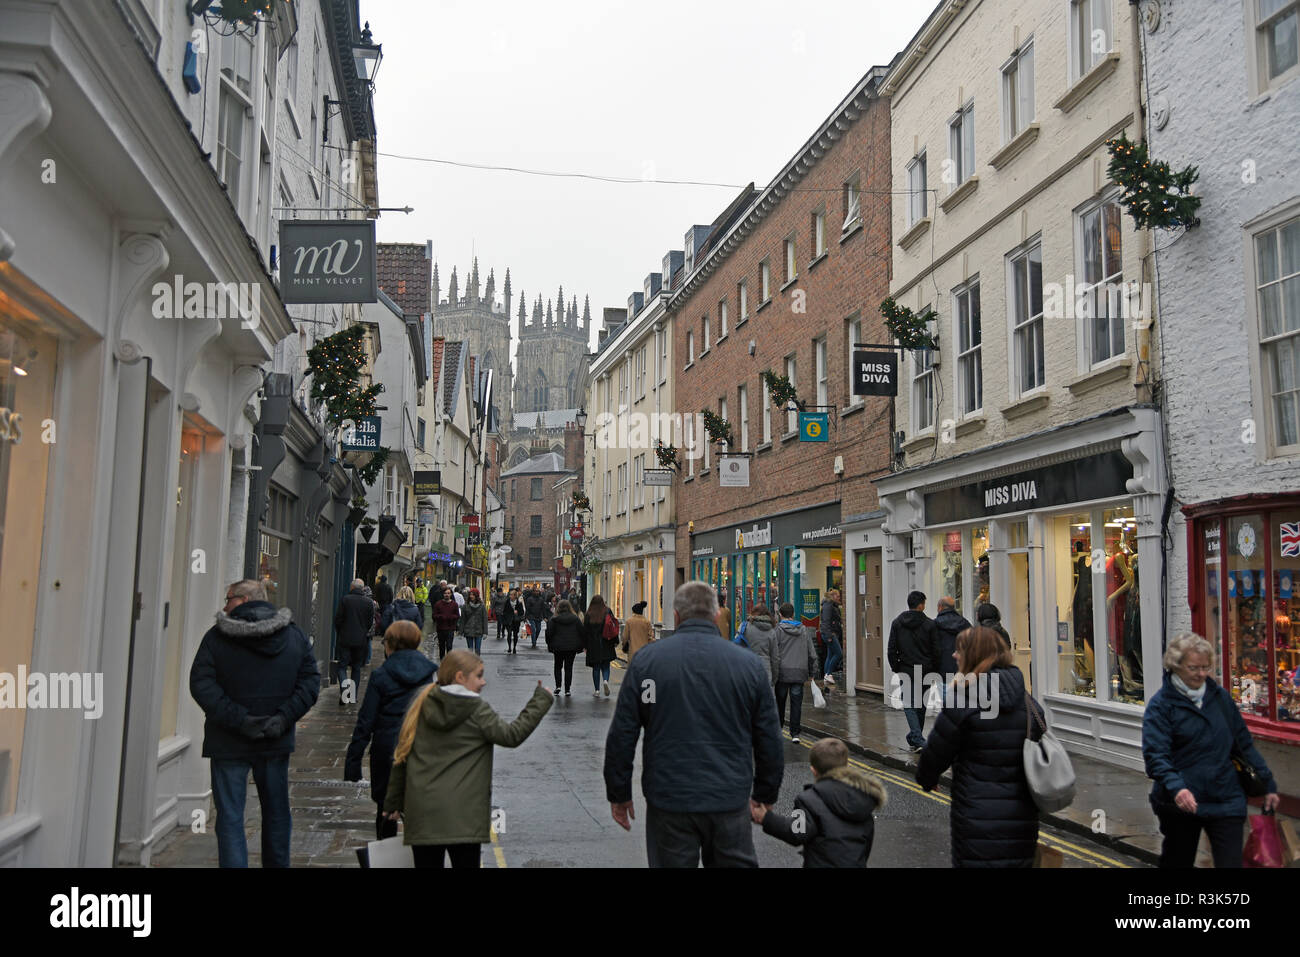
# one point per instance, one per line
(1017, 621)
(869, 625)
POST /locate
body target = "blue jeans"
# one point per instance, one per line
(598, 672)
(834, 655)
(229, 789)
(536, 625)
(795, 693)
(915, 725)
(474, 643)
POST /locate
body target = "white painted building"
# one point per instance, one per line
(1230, 307)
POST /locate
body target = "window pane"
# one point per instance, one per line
(1291, 304)
(1269, 7)
(1270, 311)
(1282, 46)
(1092, 246)
(1266, 256)
(1122, 605)
(1018, 289)
(968, 144)
(1113, 263)
(1036, 280)
(1290, 236)
(1247, 637)
(1025, 87)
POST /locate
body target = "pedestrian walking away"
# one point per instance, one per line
(987, 614)
(565, 638)
(383, 593)
(514, 617)
(639, 631)
(948, 624)
(388, 694)
(712, 750)
(473, 622)
(446, 613)
(533, 609)
(796, 663)
(1190, 733)
(834, 817)
(353, 622)
(602, 649)
(759, 635)
(498, 611)
(403, 608)
(993, 818)
(254, 676)
(441, 784)
(913, 652)
(832, 628)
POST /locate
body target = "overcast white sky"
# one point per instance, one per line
(715, 90)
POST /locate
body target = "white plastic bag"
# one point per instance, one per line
(541, 634)
(390, 852)
(819, 699)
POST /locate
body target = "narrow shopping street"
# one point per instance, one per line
(549, 794)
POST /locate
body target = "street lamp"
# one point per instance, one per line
(582, 419)
(366, 55)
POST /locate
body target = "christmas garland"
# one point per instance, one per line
(1154, 195)
(718, 428)
(580, 501)
(371, 471)
(666, 454)
(911, 331)
(780, 388)
(336, 364)
(245, 11)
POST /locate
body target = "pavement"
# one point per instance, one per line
(549, 806)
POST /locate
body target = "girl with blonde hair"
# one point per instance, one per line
(441, 782)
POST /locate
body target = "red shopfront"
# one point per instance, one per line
(1245, 594)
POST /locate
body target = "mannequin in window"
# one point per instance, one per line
(1081, 602)
(1131, 663)
(1119, 581)
(982, 577)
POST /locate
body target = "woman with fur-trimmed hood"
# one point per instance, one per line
(834, 818)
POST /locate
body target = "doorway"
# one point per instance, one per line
(869, 636)
(1017, 621)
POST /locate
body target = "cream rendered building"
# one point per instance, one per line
(1032, 465)
(629, 406)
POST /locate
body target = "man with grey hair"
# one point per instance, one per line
(353, 620)
(254, 676)
(712, 748)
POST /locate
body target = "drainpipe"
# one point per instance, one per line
(1145, 390)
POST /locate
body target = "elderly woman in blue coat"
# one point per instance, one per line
(1189, 732)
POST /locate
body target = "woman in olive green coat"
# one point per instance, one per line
(441, 784)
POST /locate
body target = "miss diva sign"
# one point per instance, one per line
(875, 373)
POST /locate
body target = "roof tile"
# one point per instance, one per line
(405, 275)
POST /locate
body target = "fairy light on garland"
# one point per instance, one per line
(718, 428)
(336, 364)
(779, 388)
(666, 454)
(1154, 195)
(911, 331)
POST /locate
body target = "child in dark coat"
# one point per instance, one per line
(834, 817)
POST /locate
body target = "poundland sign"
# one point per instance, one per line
(754, 537)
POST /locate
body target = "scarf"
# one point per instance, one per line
(1196, 695)
(459, 690)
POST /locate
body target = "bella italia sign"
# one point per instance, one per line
(328, 260)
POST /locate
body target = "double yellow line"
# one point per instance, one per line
(1051, 840)
(496, 849)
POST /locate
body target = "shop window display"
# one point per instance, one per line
(950, 569)
(979, 547)
(1247, 633)
(1212, 531)
(1075, 577)
(1122, 615)
(272, 567)
(1285, 533)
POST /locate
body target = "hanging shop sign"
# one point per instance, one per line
(328, 260)
(507, 535)
(363, 436)
(425, 514)
(733, 471)
(814, 426)
(576, 533)
(657, 477)
(428, 482)
(875, 373)
(504, 549)
(472, 522)
(1080, 480)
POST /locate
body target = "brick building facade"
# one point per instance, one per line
(529, 494)
(783, 535)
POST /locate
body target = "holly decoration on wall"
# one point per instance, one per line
(1154, 195)
(371, 472)
(779, 388)
(336, 365)
(718, 428)
(580, 502)
(910, 329)
(666, 454)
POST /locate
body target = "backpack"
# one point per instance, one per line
(610, 631)
(739, 639)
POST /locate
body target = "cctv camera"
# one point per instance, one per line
(753, 347)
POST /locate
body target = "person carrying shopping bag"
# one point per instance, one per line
(473, 622)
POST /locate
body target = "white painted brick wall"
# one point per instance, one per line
(1198, 62)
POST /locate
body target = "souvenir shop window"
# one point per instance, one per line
(1211, 532)
(949, 552)
(272, 568)
(1075, 577)
(1284, 528)
(1123, 609)
(979, 548)
(1247, 628)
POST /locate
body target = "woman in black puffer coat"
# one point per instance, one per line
(387, 695)
(565, 638)
(993, 819)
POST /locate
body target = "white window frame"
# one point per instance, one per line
(1262, 377)
(792, 413)
(961, 144)
(1085, 15)
(663, 356)
(917, 196)
(1257, 45)
(923, 395)
(1018, 106)
(819, 233)
(690, 347)
(722, 319)
(767, 417)
(742, 297)
(854, 337)
(742, 399)
(969, 354)
(765, 279)
(642, 361)
(852, 204)
(706, 342)
(1106, 293)
(1021, 329)
(791, 260)
(821, 367)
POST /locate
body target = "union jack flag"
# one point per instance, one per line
(1290, 539)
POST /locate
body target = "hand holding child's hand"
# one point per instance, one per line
(758, 811)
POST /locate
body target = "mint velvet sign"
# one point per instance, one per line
(328, 261)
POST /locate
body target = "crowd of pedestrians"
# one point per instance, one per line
(708, 713)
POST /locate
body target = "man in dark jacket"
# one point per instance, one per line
(355, 615)
(834, 817)
(712, 749)
(254, 676)
(533, 609)
(383, 593)
(947, 625)
(911, 651)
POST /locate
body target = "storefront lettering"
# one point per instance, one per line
(1018, 492)
(754, 537)
(1078, 480)
(11, 426)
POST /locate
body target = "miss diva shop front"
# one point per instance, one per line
(1062, 531)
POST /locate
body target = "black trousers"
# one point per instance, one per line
(445, 638)
(431, 855)
(383, 827)
(679, 839)
(1182, 833)
(564, 662)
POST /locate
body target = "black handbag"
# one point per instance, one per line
(1248, 776)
